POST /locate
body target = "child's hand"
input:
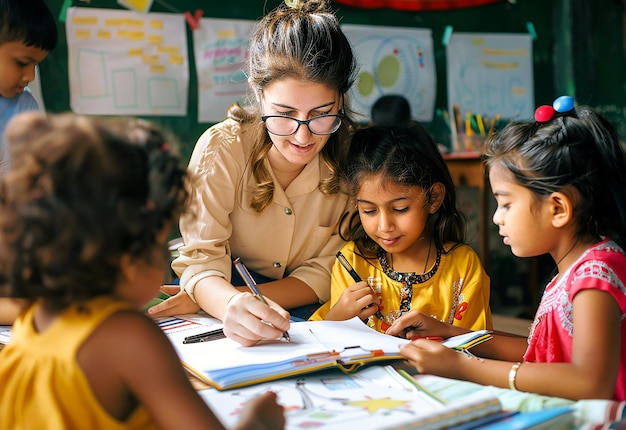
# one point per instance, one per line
(178, 304)
(431, 357)
(418, 324)
(356, 300)
(262, 413)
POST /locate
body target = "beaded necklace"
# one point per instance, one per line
(407, 279)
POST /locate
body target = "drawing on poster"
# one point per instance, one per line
(393, 61)
(127, 63)
(491, 75)
(220, 49)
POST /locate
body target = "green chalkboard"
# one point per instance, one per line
(501, 17)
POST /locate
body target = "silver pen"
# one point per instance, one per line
(247, 278)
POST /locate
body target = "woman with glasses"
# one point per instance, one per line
(266, 187)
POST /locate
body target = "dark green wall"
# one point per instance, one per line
(579, 49)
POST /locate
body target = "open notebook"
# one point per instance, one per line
(315, 345)
(377, 397)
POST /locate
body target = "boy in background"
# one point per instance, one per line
(392, 109)
(27, 33)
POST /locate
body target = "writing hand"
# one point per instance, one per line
(419, 324)
(248, 320)
(356, 300)
(180, 303)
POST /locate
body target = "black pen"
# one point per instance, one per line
(205, 337)
(344, 262)
(247, 278)
(346, 265)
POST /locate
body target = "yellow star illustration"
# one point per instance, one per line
(373, 405)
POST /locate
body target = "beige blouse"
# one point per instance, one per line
(296, 235)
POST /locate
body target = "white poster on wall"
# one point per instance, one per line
(490, 75)
(393, 60)
(220, 50)
(127, 63)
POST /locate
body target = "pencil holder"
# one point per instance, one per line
(463, 142)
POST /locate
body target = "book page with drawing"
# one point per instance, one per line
(376, 397)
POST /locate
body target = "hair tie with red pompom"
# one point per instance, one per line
(562, 104)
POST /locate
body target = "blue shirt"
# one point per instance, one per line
(8, 109)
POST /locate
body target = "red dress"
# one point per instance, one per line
(601, 267)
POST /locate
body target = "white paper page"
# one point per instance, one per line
(462, 339)
(5, 333)
(177, 328)
(355, 333)
(307, 337)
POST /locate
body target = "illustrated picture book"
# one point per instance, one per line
(376, 397)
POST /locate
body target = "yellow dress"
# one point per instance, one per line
(457, 292)
(42, 385)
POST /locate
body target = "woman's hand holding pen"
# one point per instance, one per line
(356, 300)
(248, 320)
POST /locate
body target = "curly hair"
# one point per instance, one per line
(82, 192)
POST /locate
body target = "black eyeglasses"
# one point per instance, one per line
(285, 125)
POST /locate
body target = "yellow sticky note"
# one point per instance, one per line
(177, 60)
(156, 24)
(225, 34)
(167, 49)
(85, 20)
(104, 34)
(155, 39)
(136, 35)
(158, 68)
(135, 52)
(130, 22)
(113, 22)
(150, 59)
(82, 34)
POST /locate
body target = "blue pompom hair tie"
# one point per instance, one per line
(562, 104)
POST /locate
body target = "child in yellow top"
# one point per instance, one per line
(407, 242)
(84, 220)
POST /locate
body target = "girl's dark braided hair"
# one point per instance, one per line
(577, 147)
